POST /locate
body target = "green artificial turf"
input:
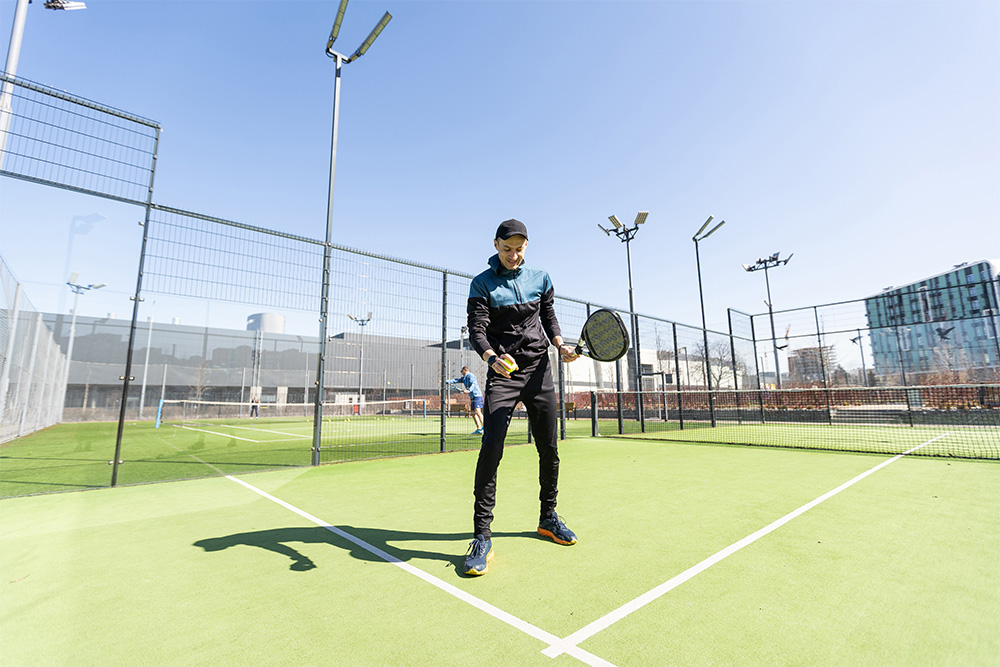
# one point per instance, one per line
(898, 569)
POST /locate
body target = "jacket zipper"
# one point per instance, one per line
(517, 289)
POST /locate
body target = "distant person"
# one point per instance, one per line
(254, 402)
(471, 384)
(512, 323)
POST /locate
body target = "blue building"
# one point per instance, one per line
(942, 329)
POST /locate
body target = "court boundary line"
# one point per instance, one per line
(221, 435)
(262, 430)
(497, 613)
(586, 632)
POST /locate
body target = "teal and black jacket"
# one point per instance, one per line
(512, 312)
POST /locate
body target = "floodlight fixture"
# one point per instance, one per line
(615, 221)
(697, 233)
(606, 231)
(336, 25)
(77, 288)
(766, 263)
(641, 217)
(376, 31)
(712, 230)
(64, 4)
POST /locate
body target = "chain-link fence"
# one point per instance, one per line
(245, 350)
(32, 365)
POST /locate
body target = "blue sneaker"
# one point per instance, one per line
(553, 527)
(478, 431)
(479, 555)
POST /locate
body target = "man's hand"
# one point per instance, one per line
(568, 353)
(504, 365)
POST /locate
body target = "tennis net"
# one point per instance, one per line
(954, 420)
(194, 411)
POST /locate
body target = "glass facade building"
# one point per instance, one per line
(940, 329)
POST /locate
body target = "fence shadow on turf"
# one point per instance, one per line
(278, 540)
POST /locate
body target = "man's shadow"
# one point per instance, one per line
(278, 540)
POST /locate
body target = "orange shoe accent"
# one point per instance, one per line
(551, 536)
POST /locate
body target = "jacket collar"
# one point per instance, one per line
(499, 268)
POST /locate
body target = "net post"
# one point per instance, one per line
(618, 393)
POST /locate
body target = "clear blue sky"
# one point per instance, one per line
(864, 137)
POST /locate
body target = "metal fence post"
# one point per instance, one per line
(677, 374)
(732, 352)
(760, 384)
(562, 397)
(638, 375)
(127, 377)
(618, 383)
(822, 366)
(444, 359)
(594, 430)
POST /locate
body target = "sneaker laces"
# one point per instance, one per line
(477, 548)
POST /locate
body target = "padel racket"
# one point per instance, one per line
(604, 336)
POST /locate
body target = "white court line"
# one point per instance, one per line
(221, 435)
(468, 598)
(591, 629)
(261, 430)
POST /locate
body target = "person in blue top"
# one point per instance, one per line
(512, 323)
(471, 384)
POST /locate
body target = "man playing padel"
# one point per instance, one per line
(512, 322)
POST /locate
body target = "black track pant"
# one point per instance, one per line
(533, 387)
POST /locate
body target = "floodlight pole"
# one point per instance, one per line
(701, 297)
(77, 291)
(361, 322)
(625, 235)
(339, 62)
(769, 263)
(461, 345)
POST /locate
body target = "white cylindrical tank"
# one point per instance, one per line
(271, 323)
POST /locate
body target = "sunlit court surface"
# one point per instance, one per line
(688, 554)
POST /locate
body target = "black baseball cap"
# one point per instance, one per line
(510, 228)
